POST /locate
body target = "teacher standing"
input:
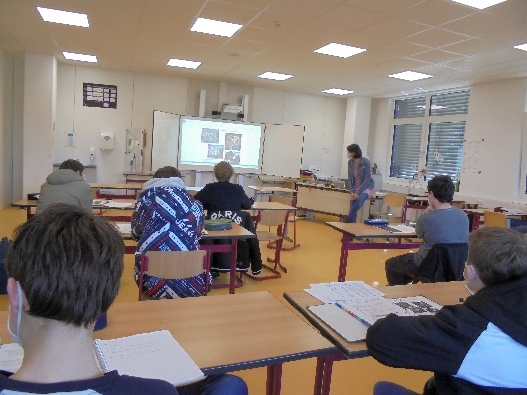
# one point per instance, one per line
(360, 181)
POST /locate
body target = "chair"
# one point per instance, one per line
(444, 262)
(495, 219)
(290, 201)
(394, 203)
(278, 219)
(174, 265)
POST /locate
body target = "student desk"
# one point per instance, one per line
(30, 204)
(281, 336)
(442, 293)
(271, 191)
(333, 201)
(237, 232)
(359, 232)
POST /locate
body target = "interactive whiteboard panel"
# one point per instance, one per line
(282, 152)
(205, 142)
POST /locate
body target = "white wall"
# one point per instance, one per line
(6, 128)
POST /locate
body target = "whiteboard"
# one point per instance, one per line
(165, 139)
(282, 150)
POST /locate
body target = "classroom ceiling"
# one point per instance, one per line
(456, 44)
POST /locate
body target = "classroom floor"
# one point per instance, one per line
(316, 260)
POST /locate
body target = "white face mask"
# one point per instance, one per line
(469, 273)
(16, 334)
(349, 156)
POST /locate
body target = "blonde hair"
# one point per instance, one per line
(223, 171)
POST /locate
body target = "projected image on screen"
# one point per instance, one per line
(215, 151)
(233, 157)
(205, 142)
(210, 135)
(233, 141)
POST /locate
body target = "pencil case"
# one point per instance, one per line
(218, 224)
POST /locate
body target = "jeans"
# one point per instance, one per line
(355, 206)
(397, 267)
(387, 388)
(216, 384)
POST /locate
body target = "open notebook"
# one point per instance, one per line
(154, 355)
(149, 355)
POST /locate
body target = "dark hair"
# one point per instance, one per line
(498, 254)
(72, 164)
(355, 149)
(223, 171)
(68, 262)
(167, 172)
(442, 187)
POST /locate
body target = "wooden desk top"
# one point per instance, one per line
(98, 185)
(363, 230)
(272, 189)
(25, 203)
(237, 232)
(271, 206)
(221, 333)
(442, 293)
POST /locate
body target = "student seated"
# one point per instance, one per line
(223, 196)
(64, 270)
(478, 347)
(66, 185)
(441, 223)
(167, 218)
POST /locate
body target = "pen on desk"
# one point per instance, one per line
(353, 315)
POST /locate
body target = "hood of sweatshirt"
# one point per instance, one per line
(175, 182)
(64, 176)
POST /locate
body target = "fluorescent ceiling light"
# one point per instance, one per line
(479, 4)
(523, 47)
(337, 91)
(340, 50)
(274, 76)
(410, 76)
(218, 28)
(187, 64)
(81, 57)
(64, 17)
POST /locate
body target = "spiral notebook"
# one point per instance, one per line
(155, 355)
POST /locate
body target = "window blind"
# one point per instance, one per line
(452, 103)
(405, 150)
(445, 148)
(410, 108)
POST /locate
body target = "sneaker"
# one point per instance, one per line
(257, 272)
(215, 274)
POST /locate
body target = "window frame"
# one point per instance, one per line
(425, 122)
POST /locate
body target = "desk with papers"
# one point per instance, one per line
(448, 293)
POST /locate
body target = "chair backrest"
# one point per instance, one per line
(496, 220)
(273, 217)
(173, 265)
(5, 243)
(394, 203)
(444, 262)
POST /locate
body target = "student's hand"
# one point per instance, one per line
(353, 196)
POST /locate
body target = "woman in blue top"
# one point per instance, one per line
(360, 181)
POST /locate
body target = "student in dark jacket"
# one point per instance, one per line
(478, 347)
(223, 196)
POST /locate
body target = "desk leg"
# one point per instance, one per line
(343, 257)
(234, 256)
(274, 379)
(28, 213)
(324, 372)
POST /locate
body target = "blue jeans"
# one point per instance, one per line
(355, 206)
(216, 384)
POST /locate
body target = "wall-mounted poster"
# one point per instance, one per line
(99, 95)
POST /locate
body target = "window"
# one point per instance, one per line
(429, 131)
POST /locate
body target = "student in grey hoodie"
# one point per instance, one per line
(66, 185)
